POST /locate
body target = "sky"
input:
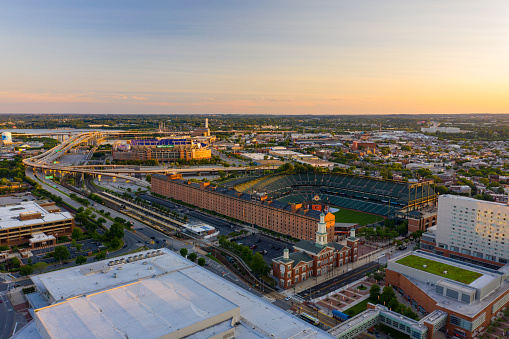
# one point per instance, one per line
(270, 57)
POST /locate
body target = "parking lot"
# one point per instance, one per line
(273, 247)
(86, 246)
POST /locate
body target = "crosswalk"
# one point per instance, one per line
(297, 298)
(268, 299)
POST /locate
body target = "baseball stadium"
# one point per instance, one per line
(365, 195)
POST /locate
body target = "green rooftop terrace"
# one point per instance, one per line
(434, 267)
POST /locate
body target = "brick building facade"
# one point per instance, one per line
(313, 258)
(420, 221)
(421, 299)
(290, 219)
(22, 222)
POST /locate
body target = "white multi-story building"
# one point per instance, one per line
(471, 230)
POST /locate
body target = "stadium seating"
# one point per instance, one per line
(382, 197)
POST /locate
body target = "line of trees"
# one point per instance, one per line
(255, 261)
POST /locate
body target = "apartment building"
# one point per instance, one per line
(470, 230)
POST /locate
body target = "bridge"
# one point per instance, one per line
(48, 161)
(378, 314)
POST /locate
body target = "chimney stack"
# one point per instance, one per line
(286, 254)
(206, 122)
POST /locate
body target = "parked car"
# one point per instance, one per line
(253, 247)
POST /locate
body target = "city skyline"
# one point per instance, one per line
(325, 57)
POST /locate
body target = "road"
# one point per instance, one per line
(8, 317)
(338, 282)
(132, 240)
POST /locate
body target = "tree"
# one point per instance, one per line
(15, 262)
(61, 253)
(26, 270)
(192, 256)
(73, 243)
(258, 263)
(78, 247)
(183, 251)
(40, 266)
(80, 217)
(116, 230)
(394, 305)
(119, 220)
(115, 242)
(101, 255)
(77, 233)
(387, 294)
(148, 177)
(374, 292)
(80, 260)
(201, 261)
(101, 221)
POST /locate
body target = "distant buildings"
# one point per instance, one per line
(364, 145)
(434, 129)
(161, 149)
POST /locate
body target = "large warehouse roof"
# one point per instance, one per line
(158, 294)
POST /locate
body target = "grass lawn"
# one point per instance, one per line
(359, 308)
(344, 215)
(434, 267)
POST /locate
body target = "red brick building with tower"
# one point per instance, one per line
(313, 258)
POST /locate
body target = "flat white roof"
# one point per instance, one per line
(147, 308)
(199, 227)
(154, 296)
(9, 215)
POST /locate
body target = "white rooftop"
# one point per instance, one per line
(199, 227)
(147, 308)
(154, 296)
(9, 215)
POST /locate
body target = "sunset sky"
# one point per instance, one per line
(277, 57)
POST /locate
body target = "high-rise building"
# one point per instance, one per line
(470, 230)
